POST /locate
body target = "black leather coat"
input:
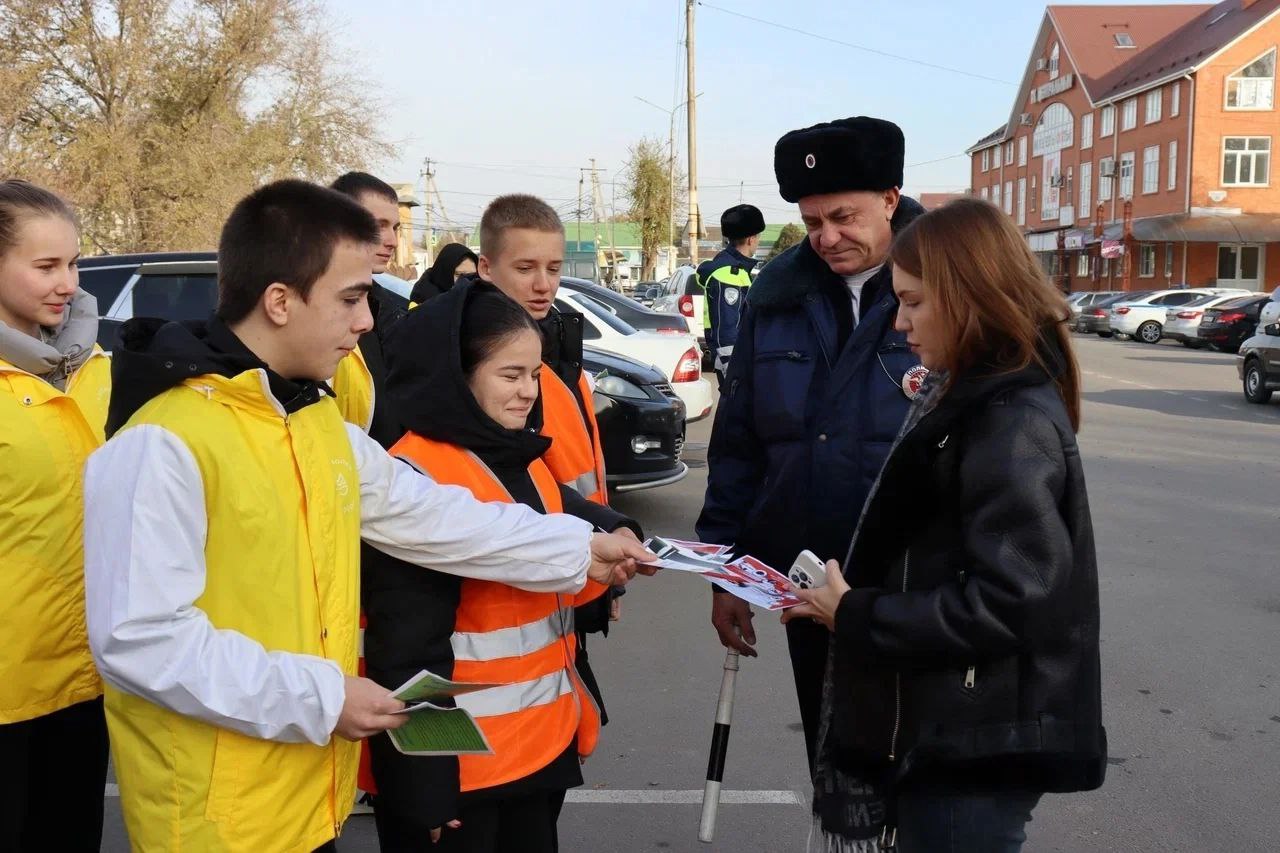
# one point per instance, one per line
(967, 650)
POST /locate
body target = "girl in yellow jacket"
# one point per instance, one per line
(54, 388)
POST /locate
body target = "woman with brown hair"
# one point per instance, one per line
(965, 681)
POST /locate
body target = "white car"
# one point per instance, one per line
(676, 356)
(682, 294)
(1143, 319)
(1271, 311)
(1183, 322)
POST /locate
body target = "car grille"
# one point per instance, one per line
(665, 389)
(679, 446)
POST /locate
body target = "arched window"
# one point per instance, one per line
(1054, 131)
(1253, 86)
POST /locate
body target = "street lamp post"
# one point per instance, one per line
(671, 162)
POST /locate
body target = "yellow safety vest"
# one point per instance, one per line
(353, 390)
(45, 437)
(282, 496)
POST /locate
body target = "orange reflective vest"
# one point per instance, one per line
(521, 640)
(576, 457)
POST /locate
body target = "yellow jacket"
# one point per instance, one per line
(45, 437)
(285, 578)
(353, 390)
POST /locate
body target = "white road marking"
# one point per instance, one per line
(1197, 399)
(651, 797)
(688, 797)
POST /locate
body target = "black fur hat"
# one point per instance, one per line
(741, 221)
(860, 153)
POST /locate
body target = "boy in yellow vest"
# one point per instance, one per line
(222, 525)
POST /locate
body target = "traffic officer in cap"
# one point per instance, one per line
(725, 279)
(819, 383)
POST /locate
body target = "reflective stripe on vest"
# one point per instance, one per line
(513, 642)
(586, 485)
(510, 698)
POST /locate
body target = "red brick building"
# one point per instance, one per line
(1139, 150)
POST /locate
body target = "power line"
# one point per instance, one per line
(857, 46)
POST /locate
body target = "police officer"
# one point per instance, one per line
(819, 382)
(725, 279)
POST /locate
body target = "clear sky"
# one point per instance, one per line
(516, 95)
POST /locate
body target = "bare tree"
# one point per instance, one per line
(155, 116)
(648, 182)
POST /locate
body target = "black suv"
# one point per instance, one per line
(642, 421)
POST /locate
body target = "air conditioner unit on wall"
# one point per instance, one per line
(1042, 64)
(1025, 119)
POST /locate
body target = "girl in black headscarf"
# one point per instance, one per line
(454, 261)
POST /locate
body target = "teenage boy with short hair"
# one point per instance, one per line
(222, 524)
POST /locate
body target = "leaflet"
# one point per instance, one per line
(431, 729)
(746, 577)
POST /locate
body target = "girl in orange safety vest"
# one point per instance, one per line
(464, 379)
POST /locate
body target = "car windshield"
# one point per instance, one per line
(586, 303)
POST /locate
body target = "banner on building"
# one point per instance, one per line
(1112, 248)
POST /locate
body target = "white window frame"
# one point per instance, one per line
(1234, 77)
(1086, 130)
(1022, 150)
(1126, 181)
(1082, 265)
(1022, 200)
(1155, 104)
(1173, 166)
(1146, 260)
(1086, 188)
(995, 194)
(986, 194)
(1151, 169)
(1175, 99)
(1008, 153)
(1129, 114)
(1108, 123)
(1054, 61)
(1253, 170)
(986, 159)
(1105, 185)
(1008, 197)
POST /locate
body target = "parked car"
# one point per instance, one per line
(677, 356)
(682, 294)
(642, 422)
(1143, 319)
(1183, 322)
(1078, 302)
(1228, 325)
(1258, 364)
(1271, 311)
(646, 291)
(627, 309)
(1097, 318)
(642, 434)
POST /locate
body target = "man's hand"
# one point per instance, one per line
(731, 618)
(820, 604)
(439, 830)
(367, 710)
(615, 559)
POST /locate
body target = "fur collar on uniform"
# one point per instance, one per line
(785, 281)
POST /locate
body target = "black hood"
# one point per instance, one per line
(429, 392)
(155, 355)
(439, 276)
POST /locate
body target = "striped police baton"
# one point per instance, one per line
(719, 747)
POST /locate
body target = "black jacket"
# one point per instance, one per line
(410, 611)
(439, 278)
(968, 647)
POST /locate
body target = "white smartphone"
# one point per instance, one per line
(808, 572)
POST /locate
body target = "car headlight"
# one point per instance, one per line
(616, 386)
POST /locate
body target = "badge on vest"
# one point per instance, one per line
(913, 380)
(731, 295)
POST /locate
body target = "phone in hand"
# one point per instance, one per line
(808, 572)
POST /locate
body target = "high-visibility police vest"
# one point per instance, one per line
(728, 276)
(576, 457)
(519, 639)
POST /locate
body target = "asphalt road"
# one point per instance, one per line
(1184, 478)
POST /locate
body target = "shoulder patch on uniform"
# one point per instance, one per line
(731, 295)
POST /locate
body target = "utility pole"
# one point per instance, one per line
(427, 183)
(695, 217)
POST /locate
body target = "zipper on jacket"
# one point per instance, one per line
(897, 676)
(970, 677)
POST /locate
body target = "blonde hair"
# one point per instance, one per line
(993, 299)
